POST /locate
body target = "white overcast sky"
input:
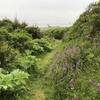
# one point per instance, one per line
(43, 12)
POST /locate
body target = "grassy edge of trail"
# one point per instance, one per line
(40, 89)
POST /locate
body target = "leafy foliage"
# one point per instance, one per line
(55, 32)
(12, 83)
(34, 31)
(41, 46)
(27, 63)
(18, 50)
(20, 40)
(75, 74)
(7, 55)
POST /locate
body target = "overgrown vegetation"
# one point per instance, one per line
(55, 32)
(20, 46)
(57, 63)
(75, 74)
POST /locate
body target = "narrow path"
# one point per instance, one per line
(47, 59)
(38, 86)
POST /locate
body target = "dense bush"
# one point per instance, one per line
(11, 84)
(27, 63)
(55, 32)
(6, 23)
(41, 46)
(18, 57)
(12, 25)
(20, 40)
(34, 31)
(7, 56)
(4, 34)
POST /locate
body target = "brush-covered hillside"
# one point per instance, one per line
(76, 71)
(53, 63)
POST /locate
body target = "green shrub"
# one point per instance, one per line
(34, 31)
(27, 63)
(41, 46)
(12, 84)
(20, 40)
(7, 55)
(55, 32)
(4, 34)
